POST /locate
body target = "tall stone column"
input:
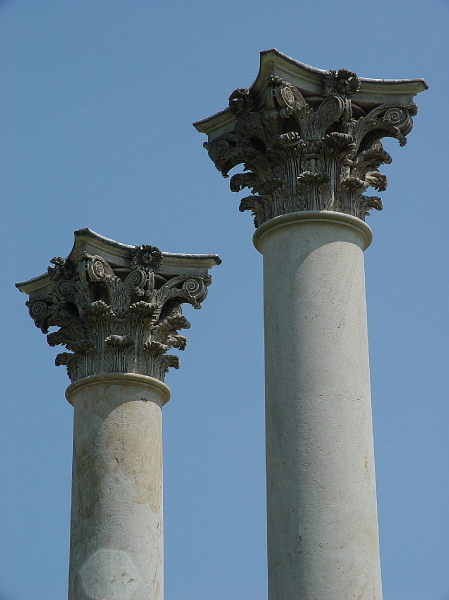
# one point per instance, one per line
(118, 311)
(310, 143)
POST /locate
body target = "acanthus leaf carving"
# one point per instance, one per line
(368, 202)
(116, 320)
(303, 152)
(314, 189)
(256, 204)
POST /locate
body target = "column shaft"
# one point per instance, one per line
(321, 498)
(116, 546)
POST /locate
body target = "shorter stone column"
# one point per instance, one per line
(118, 310)
(116, 526)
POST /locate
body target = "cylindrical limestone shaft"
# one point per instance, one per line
(116, 545)
(321, 496)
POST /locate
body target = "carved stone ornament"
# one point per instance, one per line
(308, 139)
(117, 308)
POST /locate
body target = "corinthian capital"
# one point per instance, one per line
(117, 308)
(309, 139)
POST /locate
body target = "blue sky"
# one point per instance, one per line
(96, 105)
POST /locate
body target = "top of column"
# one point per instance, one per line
(117, 307)
(309, 139)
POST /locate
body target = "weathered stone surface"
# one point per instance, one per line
(117, 307)
(321, 499)
(116, 542)
(309, 139)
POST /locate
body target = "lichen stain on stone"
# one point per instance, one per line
(89, 473)
(362, 593)
(136, 454)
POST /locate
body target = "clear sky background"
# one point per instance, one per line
(97, 98)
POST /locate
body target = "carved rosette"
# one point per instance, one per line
(116, 320)
(308, 153)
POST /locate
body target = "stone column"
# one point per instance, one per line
(116, 547)
(310, 142)
(320, 465)
(118, 310)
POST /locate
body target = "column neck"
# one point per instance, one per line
(124, 379)
(324, 217)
